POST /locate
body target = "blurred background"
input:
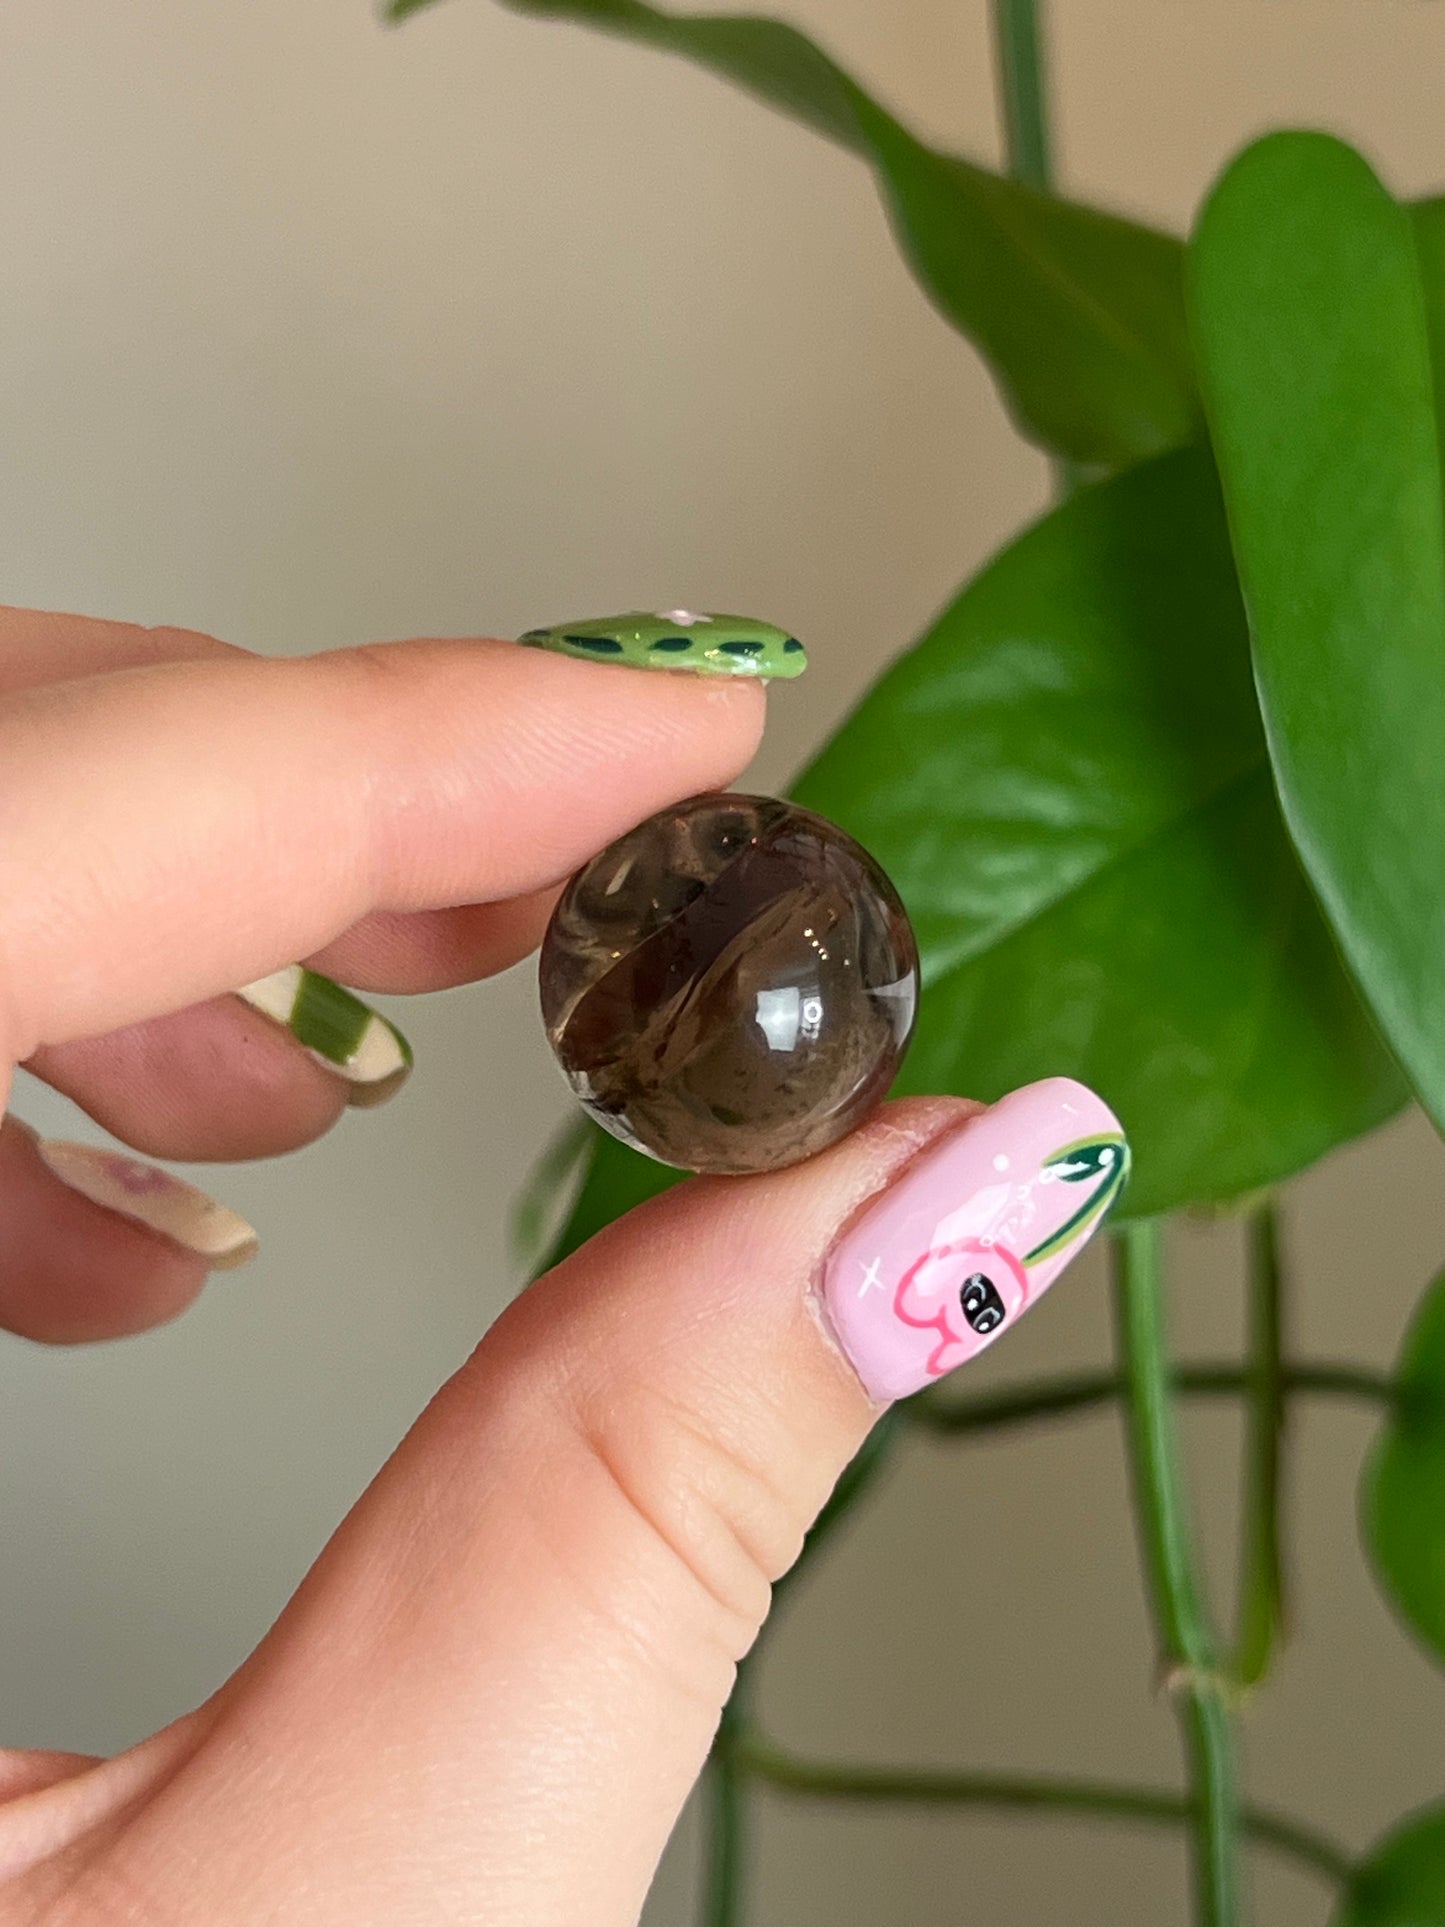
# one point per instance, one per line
(314, 332)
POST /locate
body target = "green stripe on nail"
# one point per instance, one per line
(709, 645)
(365, 1047)
(328, 1018)
(1102, 1159)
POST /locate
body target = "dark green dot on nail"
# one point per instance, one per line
(741, 648)
(534, 635)
(792, 647)
(599, 645)
(673, 643)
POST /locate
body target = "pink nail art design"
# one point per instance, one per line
(139, 1180)
(977, 1228)
(151, 1197)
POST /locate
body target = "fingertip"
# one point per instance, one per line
(73, 1270)
(218, 1082)
(397, 777)
(972, 1233)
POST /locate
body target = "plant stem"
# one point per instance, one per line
(864, 1469)
(1018, 42)
(1022, 86)
(726, 1818)
(1088, 1391)
(1185, 1641)
(1261, 1566)
(1021, 1793)
(726, 1783)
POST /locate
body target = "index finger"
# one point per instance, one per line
(429, 950)
(172, 831)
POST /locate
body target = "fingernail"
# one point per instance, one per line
(709, 645)
(342, 1033)
(976, 1229)
(154, 1198)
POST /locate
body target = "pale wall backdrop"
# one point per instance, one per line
(312, 332)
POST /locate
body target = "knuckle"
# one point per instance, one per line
(424, 669)
(169, 639)
(366, 663)
(59, 1892)
(365, 678)
(725, 1525)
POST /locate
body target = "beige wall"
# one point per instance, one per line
(310, 333)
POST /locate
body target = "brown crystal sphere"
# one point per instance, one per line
(731, 985)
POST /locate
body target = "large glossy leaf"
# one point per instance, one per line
(1067, 780)
(1402, 1882)
(1428, 220)
(1315, 351)
(1079, 313)
(1404, 1485)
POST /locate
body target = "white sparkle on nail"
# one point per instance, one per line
(871, 1280)
(1068, 1171)
(684, 618)
(1000, 1163)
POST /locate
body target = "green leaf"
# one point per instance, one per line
(1316, 359)
(617, 1179)
(1428, 220)
(1402, 1883)
(1067, 781)
(1080, 313)
(1403, 1503)
(552, 1186)
(1083, 1163)
(1104, 1163)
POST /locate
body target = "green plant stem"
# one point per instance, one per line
(725, 1787)
(1260, 1616)
(726, 1822)
(1023, 91)
(1089, 1391)
(859, 1476)
(1018, 41)
(1186, 1644)
(1019, 1793)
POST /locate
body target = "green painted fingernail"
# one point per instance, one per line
(709, 645)
(338, 1028)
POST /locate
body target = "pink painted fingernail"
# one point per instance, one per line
(152, 1197)
(975, 1230)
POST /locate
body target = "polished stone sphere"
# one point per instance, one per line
(730, 986)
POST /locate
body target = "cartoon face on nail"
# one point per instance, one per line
(972, 1234)
(964, 1290)
(982, 1306)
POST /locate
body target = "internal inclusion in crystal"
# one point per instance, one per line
(730, 986)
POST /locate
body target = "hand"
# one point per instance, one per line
(493, 1692)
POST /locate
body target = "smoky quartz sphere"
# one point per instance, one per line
(730, 986)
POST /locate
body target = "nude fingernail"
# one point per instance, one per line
(341, 1032)
(976, 1229)
(708, 645)
(154, 1198)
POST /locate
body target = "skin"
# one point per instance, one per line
(490, 1697)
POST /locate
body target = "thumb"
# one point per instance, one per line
(495, 1690)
